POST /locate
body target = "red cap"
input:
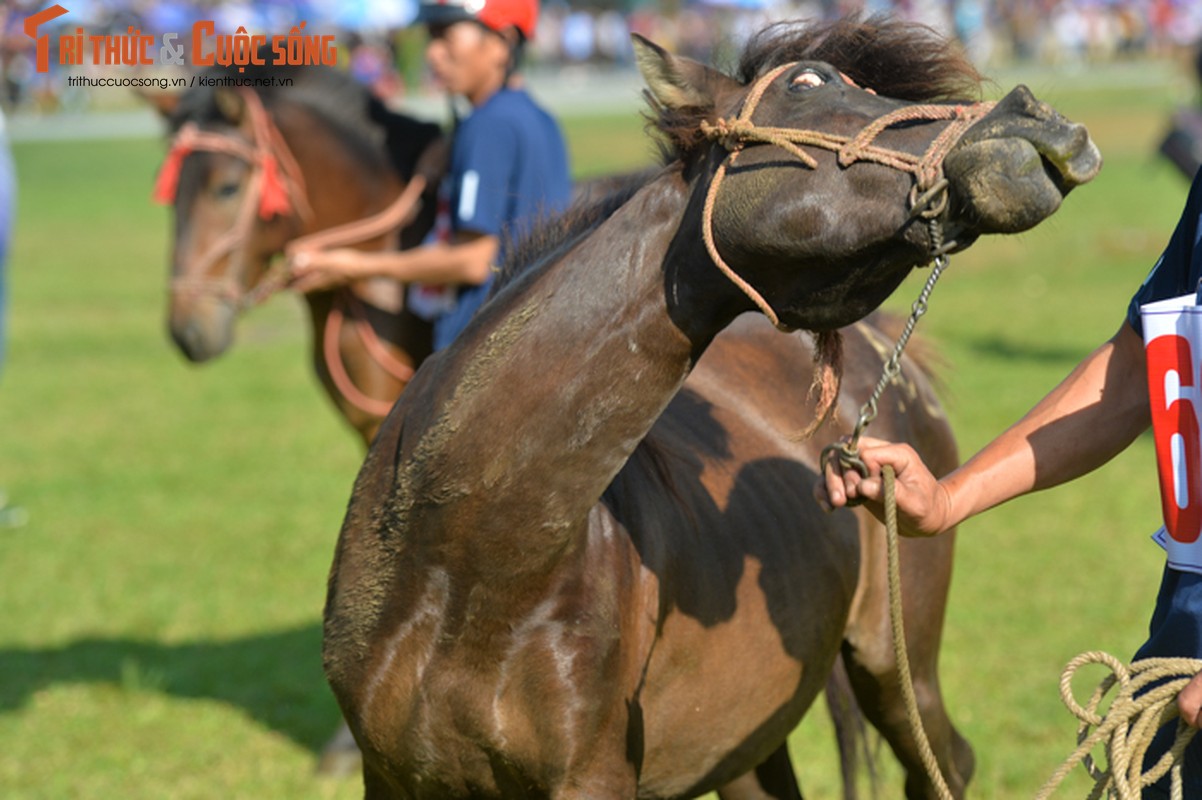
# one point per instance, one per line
(496, 15)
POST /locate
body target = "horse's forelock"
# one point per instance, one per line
(894, 58)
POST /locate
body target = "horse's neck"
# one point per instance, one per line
(341, 189)
(513, 433)
(342, 186)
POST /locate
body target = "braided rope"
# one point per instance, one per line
(735, 134)
(905, 679)
(1145, 701)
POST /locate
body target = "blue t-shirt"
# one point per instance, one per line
(1179, 268)
(509, 168)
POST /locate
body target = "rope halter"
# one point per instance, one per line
(736, 133)
(276, 187)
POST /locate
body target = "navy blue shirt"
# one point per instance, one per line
(1179, 268)
(509, 167)
(1176, 626)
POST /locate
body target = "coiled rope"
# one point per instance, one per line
(1145, 701)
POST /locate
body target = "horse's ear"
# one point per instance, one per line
(677, 82)
(230, 104)
(161, 101)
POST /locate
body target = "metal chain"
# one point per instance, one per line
(848, 452)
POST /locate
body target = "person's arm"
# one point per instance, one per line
(467, 260)
(1089, 418)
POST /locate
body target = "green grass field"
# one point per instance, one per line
(160, 613)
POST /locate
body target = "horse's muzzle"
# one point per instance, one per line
(203, 328)
(1012, 169)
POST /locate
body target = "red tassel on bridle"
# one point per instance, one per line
(267, 153)
(166, 184)
(273, 194)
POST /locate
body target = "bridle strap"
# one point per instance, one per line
(736, 133)
(345, 303)
(269, 193)
(276, 187)
(398, 213)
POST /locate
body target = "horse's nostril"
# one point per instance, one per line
(188, 339)
(200, 339)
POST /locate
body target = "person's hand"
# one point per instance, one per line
(923, 505)
(316, 270)
(1189, 702)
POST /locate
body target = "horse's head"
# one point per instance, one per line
(840, 161)
(238, 198)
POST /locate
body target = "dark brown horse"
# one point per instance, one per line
(337, 157)
(582, 557)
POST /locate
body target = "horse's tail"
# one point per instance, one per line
(851, 732)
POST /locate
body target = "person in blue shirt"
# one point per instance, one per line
(508, 167)
(1094, 414)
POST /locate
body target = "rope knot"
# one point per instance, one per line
(730, 133)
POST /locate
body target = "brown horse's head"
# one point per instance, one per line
(247, 172)
(232, 214)
(847, 155)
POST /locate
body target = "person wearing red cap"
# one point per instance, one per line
(508, 167)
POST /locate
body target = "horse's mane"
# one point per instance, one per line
(894, 58)
(344, 105)
(552, 234)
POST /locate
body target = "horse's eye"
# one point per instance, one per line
(806, 79)
(226, 190)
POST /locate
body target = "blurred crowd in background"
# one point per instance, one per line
(377, 44)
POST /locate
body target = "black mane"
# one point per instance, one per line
(902, 60)
(894, 58)
(552, 234)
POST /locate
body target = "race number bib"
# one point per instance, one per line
(1173, 344)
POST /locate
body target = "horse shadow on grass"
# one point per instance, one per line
(1011, 348)
(275, 677)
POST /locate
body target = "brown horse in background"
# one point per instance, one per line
(338, 156)
(583, 557)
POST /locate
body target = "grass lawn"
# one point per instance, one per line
(160, 613)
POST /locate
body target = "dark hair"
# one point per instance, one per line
(894, 58)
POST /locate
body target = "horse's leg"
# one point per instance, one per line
(872, 663)
(849, 728)
(772, 780)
